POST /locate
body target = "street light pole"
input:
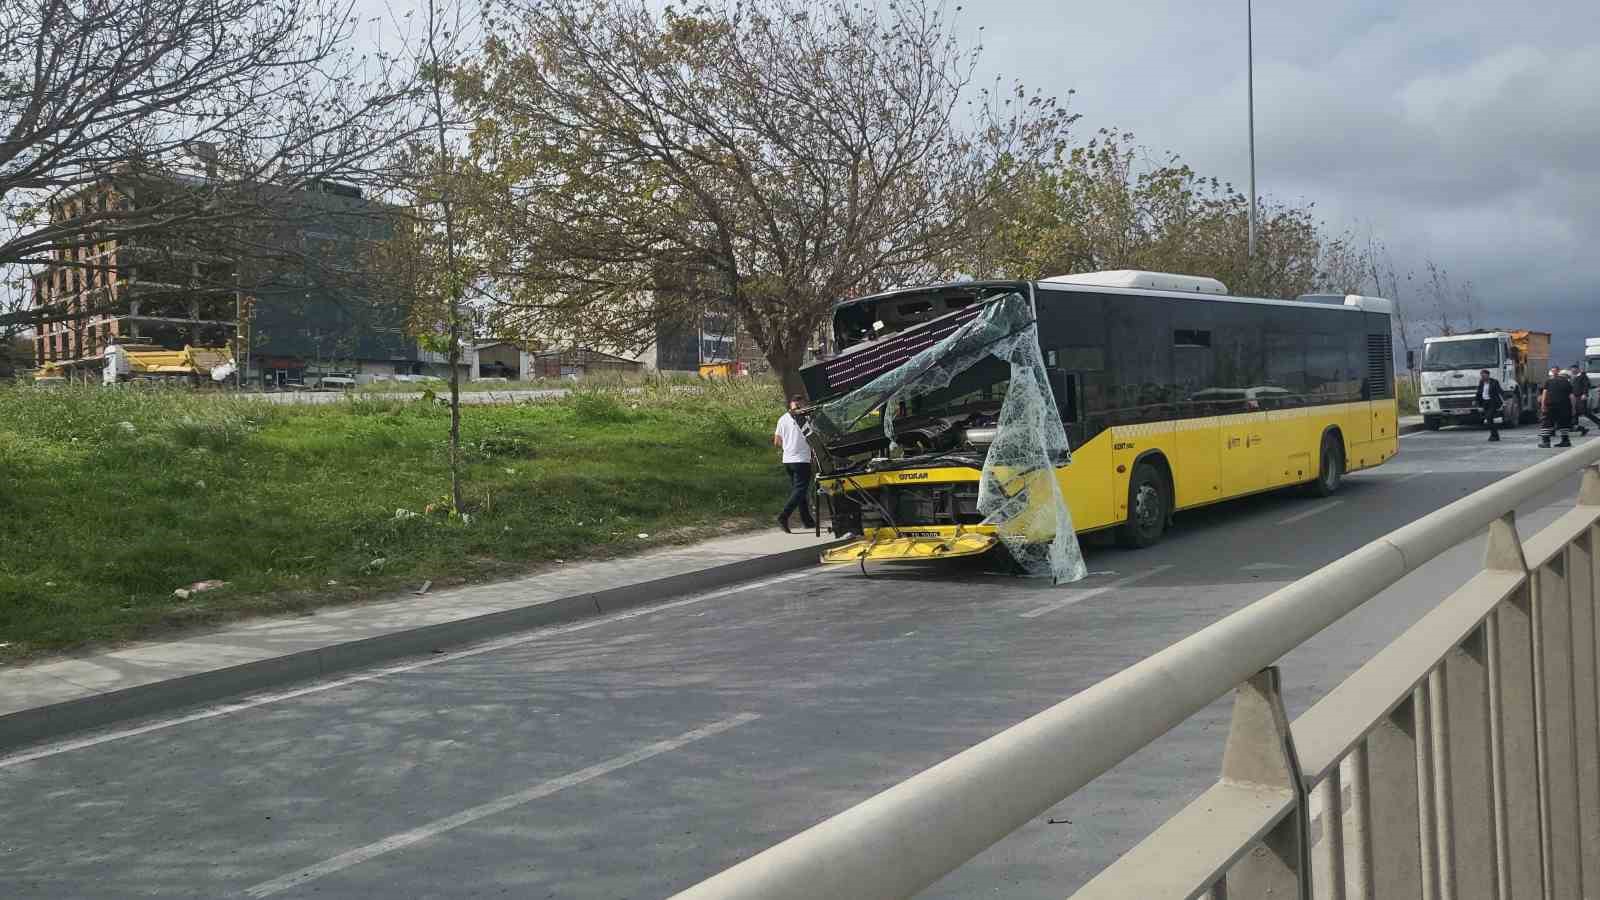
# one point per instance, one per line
(1250, 88)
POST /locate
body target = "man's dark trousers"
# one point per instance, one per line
(1491, 417)
(799, 486)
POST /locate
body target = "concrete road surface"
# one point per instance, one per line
(631, 757)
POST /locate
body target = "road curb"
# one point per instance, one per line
(46, 723)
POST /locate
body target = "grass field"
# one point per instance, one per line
(1406, 394)
(111, 499)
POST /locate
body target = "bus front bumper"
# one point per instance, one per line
(911, 549)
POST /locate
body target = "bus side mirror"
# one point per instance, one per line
(1065, 389)
(1411, 359)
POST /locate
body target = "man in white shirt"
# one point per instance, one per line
(797, 460)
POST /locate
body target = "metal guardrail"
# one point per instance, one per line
(1470, 745)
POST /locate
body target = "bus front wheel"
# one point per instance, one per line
(1148, 508)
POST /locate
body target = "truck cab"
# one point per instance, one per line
(1450, 366)
(1591, 360)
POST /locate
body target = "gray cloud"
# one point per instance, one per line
(1465, 135)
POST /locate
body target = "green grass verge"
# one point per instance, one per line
(111, 499)
(1406, 394)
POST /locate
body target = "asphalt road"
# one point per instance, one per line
(631, 757)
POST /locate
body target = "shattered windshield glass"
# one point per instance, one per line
(988, 373)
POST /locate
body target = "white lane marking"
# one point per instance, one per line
(1315, 510)
(1263, 567)
(493, 807)
(1077, 598)
(1405, 478)
(490, 647)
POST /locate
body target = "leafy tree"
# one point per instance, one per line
(1106, 204)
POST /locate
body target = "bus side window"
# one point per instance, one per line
(1064, 385)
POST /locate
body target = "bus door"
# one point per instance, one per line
(1241, 382)
(1196, 466)
(1241, 451)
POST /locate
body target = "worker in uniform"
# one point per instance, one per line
(1491, 400)
(1556, 406)
(1580, 392)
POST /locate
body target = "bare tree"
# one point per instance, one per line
(1386, 283)
(206, 118)
(1344, 264)
(439, 56)
(1454, 308)
(427, 269)
(770, 155)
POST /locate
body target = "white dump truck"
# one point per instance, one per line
(1520, 360)
(1591, 361)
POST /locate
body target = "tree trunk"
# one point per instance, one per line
(452, 282)
(792, 385)
(785, 356)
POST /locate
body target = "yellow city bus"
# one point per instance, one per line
(1173, 394)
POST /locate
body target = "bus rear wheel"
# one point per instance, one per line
(1148, 508)
(1330, 472)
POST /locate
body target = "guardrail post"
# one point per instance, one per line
(1561, 826)
(1513, 748)
(1589, 488)
(1579, 576)
(1586, 679)
(1260, 750)
(1424, 708)
(1468, 783)
(1392, 838)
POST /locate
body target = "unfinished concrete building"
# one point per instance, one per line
(145, 291)
(288, 268)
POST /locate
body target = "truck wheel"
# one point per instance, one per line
(1330, 472)
(1513, 418)
(1148, 508)
(1432, 423)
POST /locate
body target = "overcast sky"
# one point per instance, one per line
(1468, 134)
(1463, 133)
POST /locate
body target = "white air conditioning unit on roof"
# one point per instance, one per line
(1149, 281)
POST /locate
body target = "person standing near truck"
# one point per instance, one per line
(1555, 409)
(1580, 393)
(1491, 399)
(797, 461)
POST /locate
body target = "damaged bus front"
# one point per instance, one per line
(937, 433)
